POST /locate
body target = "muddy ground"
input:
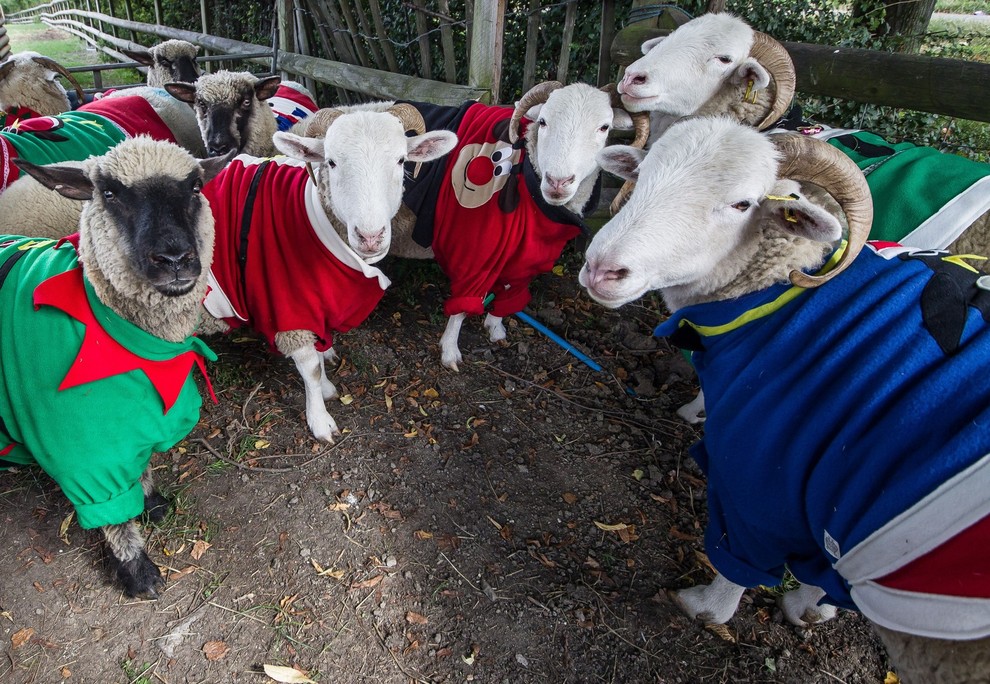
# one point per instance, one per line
(454, 534)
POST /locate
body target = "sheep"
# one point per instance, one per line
(864, 476)
(501, 211)
(124, 295)
(168, 62)
(715, 64)
(27, 205)
(280, 266)
(29, 87)
(233, 115)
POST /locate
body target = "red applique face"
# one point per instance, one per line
(481, 171)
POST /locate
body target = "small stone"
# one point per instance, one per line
(305, 553)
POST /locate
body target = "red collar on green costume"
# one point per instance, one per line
(101, 356)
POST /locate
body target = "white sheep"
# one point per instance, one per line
(168, 62)
(26, 205)
(500, 212)
(280, 265)
(124, 297)
(715, 64)
(239, 111)
(29, 87)
(847, 408)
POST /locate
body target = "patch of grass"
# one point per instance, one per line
(69, 51)
(960, 6)
(137, 673)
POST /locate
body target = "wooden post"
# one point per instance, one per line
(447, 40)
(4, 38)
(128, 14)
(485, 66)
(607, 32)
(158, 12)
(302, 41)
(286, 35)
(532, 38)
(570, 17)
(426, 61)
(204, 16)
(113, 29)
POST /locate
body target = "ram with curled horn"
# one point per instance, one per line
(715, 65)
(500, 209)
(846, 437)
(29, 87)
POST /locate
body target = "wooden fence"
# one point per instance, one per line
(4, 38)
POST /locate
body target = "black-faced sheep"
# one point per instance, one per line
(29, 87)
(25, 205)
(169, 61)
(281, 267)
(81, 317)
(847, 399)
(500, 210)
(239, 111)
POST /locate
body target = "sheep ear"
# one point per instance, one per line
(751, 70)
(622, 160)
(211, 166)
(533, 113)
(430, 146)
(266, 87)
(68, 181)
(621, 120)
(651, 43)
(6, 68)
(799, 216)
(298, 147)
(182, 91)
(140, 56)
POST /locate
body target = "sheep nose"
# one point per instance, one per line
(558, 184)
(631, 79)
(373, 241)
(218, 149)
(594, 274)
(172, 261)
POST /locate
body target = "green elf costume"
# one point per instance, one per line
(85, 394)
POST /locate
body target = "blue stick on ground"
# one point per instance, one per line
(583, 358)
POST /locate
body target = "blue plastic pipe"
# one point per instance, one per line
(570, 348)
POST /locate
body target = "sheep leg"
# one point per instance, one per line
(155, 505)
(918, 659)
(693, 412)
(711, 603)
(496, 330)
(329, 357)
(129, 561)
(309, 363)
(450, 355)
(801, 607)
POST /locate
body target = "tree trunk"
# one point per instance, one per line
(903, 23)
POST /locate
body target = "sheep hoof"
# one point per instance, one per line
(692, 603)
(798, 612)
(139, 577)
(450, 361)
(323, 427)
(156, 507)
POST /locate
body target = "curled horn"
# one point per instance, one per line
(641, 120)
(775, 59)
(58, 68)
(813, 161)
(320, 121)
(410, 117)
(536, 95)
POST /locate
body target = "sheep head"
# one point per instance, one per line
(28, 79)
(145, 225)
(168, 62)
(358, 165)
(712, 198)
(229, 107)
(570, 126)
(682, 73)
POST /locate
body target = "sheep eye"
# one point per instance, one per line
(197, 187)
(542, 122)
(402, 160)
(108, 195)
(724, 59)
(604, 128)
(246, 103)
(331, 163)
(742, 206)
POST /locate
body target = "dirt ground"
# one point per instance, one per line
(514, 522)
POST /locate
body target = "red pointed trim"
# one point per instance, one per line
(100, 356)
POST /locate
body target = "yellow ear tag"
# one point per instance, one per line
(782, 198)
(789, 216)
(750, 95)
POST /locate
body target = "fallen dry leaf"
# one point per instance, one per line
(891, 678)
(422, 535)
(215, 650)
(199, 548)
(722, 631)
(570, 497)
(368, 583)
(287, 675)
(21, 637)
(416, 618)
(66, 673)
(63, 529)
(610, 528)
